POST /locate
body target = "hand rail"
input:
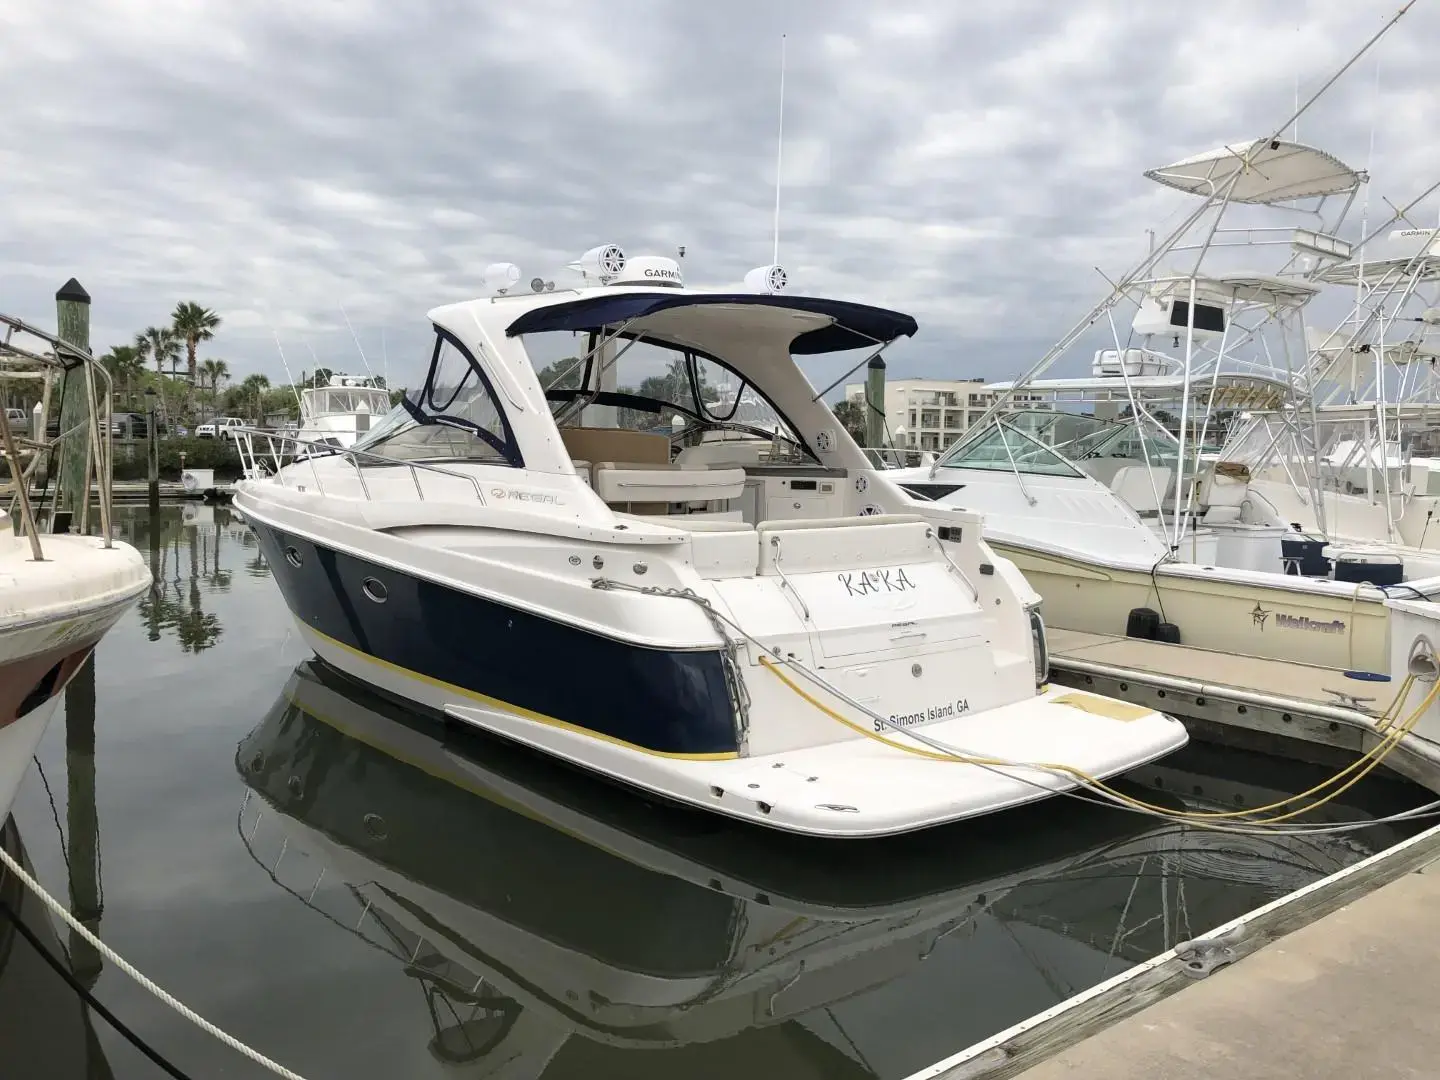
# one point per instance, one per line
(66, 358)
(254, 469)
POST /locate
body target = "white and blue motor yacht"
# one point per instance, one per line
(628, 571)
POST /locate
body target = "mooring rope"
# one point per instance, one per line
(129, 969)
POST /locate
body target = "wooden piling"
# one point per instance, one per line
(72, 319)
(875, 402)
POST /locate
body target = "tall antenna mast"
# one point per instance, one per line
(779, 152)
(285, 364)
(355, 339)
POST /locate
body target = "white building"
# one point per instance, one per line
(930, 414)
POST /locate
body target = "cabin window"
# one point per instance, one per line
(455, 416)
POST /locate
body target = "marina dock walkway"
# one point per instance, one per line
(1350, 995)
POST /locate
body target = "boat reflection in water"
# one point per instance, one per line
(45, 1027)
(560, 926)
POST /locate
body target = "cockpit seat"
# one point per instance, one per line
(627, 483)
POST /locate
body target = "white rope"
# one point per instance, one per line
(129, 969)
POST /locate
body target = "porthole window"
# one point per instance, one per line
(292, 556)
(374, 588)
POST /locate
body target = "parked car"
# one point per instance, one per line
(129, 425)
(19, 419)
(219, 428)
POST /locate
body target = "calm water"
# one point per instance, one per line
(360, 892)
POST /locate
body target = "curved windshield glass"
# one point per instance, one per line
(1006, 448)
(648, 387)
(456, 417)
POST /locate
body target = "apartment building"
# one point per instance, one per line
(930, 414)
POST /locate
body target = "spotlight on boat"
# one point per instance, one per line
(767, 279)
(500, 278)
(537, 284)
(602, 263)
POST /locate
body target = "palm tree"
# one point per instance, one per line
(253, 389)
(160, 344)
(213, 371)
(124, 363)
(193, 324)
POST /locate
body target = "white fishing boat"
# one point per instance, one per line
(765, 627)
(59, 592)
(1124, 518)
(338, 409)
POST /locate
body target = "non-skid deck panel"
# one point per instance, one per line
(1215, 671)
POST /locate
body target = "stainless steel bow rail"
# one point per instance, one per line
(270, 465)
(21, 363)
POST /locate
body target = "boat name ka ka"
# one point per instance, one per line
(865, 582)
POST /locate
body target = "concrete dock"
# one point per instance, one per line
(1347, 996)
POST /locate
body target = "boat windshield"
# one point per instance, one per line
(664, 390)
(1006, 448)
(453, 417)
(1123, 440)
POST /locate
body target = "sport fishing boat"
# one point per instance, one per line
(59, 592)
(505, 887)
(339, 409)
(1124, 521)
(765, 627)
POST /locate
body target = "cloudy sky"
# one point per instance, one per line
(972, 163)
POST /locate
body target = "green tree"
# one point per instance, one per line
(160, 344)
(214, 371)
(851, 415)
(252, 395)
(564, 374)
(125, 364)
(193, 324)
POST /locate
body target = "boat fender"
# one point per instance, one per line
(1142, 623)
(1167, 632)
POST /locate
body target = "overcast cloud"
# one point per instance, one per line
(971, 163)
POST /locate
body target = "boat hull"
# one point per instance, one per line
(52, 614)
(447, 631)
(850, 789)
(670, 702)
(18, 741)
(1213, 610)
